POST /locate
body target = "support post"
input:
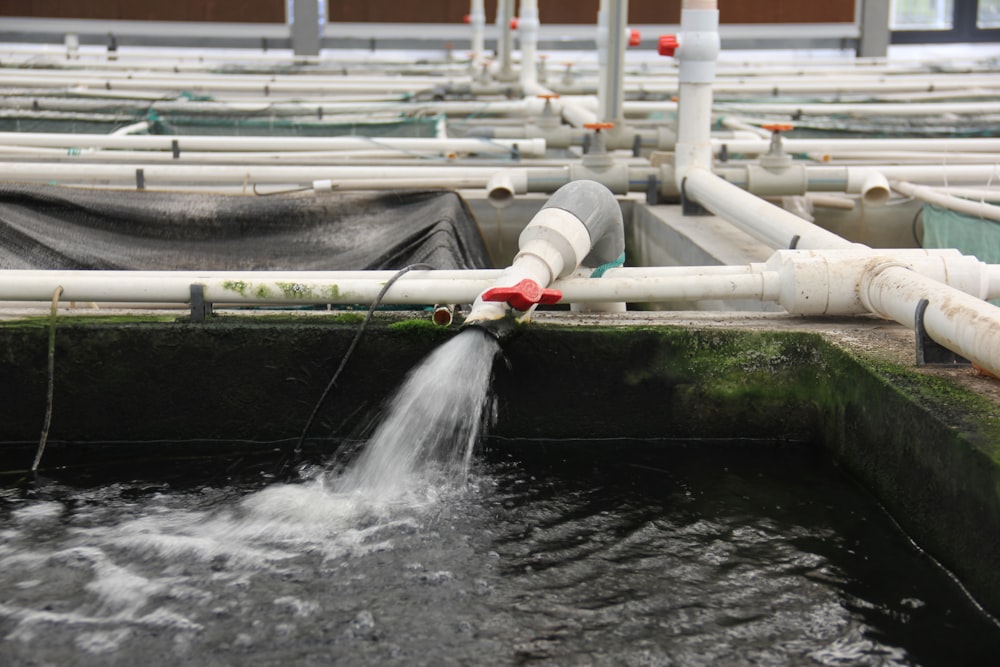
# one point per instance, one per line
(305, 28)
(874, 23)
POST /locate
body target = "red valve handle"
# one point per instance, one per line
(514, 23)
(668, 45)
(523, 295)
(634, 37)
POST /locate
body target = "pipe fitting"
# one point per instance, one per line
(503, 185)
(766, 182)
(581, 224)
(699, 45)
(875, 189)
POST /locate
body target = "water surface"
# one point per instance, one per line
(611, 553)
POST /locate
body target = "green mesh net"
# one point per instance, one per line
(972, 236)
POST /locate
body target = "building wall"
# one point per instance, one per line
(429, 11)
(236, 11)
(585, 11)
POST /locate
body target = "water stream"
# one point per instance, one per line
(417, 553)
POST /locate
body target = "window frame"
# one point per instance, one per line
(963, 29)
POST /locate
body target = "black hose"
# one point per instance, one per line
(350, 350)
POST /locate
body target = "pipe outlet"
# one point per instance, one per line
(581, 224)
(871, 184)
(503, 185)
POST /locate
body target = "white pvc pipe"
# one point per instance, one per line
(697, 54)
(903, 157)
(160, 174)
(361, 287)
(249, 158)
(797, 272)
(945, 200)
(526, 147)
(141, 126)
(477, 19)
(762, 220)
(505, 41)
(527, 28)
(612, 24)
(832, 146)
(867, 109)
(960, 322)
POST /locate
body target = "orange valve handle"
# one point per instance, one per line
(778, 127)
(523, 295)
(599, 126)
(548, 96)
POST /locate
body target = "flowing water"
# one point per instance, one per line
(555, 553)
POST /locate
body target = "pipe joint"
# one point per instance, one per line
(503, 185)
(870, 298)
(766, 182)
(612, 175)
(871, 184)
(581, 224)
(699, 45)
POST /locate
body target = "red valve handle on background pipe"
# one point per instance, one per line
(523, 295)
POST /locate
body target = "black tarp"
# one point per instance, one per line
(53, 227)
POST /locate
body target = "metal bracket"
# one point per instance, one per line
(930, 352)
(652, 190)
(689, 207)
(200, 309)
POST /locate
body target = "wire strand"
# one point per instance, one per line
(350, 350)
(51, 381)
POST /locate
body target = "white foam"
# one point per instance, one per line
(39, 511)
(102, 641)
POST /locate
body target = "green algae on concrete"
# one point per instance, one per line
(927, 447)
(661, 382)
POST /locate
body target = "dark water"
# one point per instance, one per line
(418, 553)
(612, 553)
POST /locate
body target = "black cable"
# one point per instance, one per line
(913, 226)
(350, 350)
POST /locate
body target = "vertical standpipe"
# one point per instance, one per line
(612, 23)
(697, 53)
(580, 225)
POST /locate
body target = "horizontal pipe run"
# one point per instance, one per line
(832, 146)
(960, 322)
(160, 174)
(328, 158)
(944, 200)
(182, 143)
(362, 287)
(868, 109)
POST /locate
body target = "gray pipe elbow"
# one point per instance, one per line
(596, 207)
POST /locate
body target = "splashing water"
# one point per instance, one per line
(432, 425)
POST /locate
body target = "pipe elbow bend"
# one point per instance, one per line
(594, 205)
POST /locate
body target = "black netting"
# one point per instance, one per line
(52, 227)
